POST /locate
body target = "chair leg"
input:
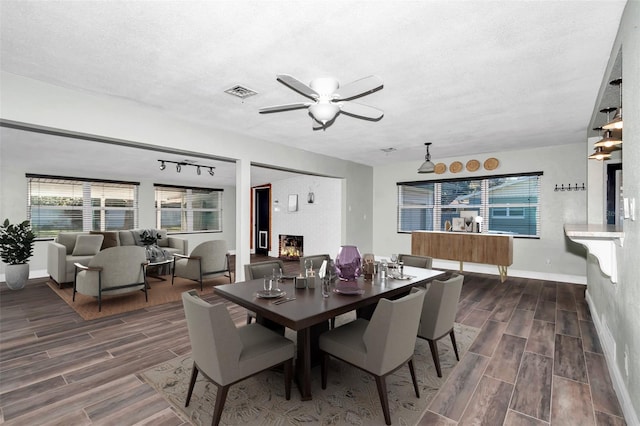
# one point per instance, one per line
(249, 318)
(323, 369)
(434, 353)
(288, 374)
(99, 291)
(413, 378)
(453, 342)
(192, 383)
(333, 323)
(381, 383)
(221, 398)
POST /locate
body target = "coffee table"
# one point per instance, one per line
(310, 313)
(159, 266)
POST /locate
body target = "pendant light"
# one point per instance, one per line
(616, 123)
(427, 166)
(608, 139)
(600, 154)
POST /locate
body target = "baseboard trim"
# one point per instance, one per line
(630, 415)
(493, 270)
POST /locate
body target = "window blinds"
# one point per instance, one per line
(507, 203)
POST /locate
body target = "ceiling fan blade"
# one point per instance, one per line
(298, 86)
(315, 124)
(361, 111)
(284, 107)
(358, 88)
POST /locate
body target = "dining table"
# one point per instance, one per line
(307, 312)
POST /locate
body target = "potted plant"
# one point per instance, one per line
(16, 247)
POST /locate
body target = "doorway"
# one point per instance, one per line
(262, 214)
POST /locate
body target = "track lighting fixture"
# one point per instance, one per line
(427, 166)
(179, 165)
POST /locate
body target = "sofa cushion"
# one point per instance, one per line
(111, 239)
(126, 238)
(87, 245)
(68, 239)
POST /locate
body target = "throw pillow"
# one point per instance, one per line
(87, 245)
(110, 239)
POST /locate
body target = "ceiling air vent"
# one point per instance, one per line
(240, 91)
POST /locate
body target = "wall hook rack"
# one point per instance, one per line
(575, 187)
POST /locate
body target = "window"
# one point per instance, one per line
(58, 204)
(184, 209)
(508, 204)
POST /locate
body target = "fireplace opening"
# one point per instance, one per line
(290, 247)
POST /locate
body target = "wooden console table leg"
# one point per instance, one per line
(502, 270)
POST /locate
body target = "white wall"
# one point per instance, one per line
(319, 223)
(32, 102)
(549, 257)
(615, 308)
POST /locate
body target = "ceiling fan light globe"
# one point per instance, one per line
(324, 112)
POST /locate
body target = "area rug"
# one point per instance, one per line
(161, 292)
(351, 397)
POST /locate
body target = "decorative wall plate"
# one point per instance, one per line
(473, 165)
(491, 163)
(455, 167)
(440, 168)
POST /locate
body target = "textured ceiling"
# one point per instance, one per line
(469, 76)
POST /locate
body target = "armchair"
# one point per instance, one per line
(208, 258)
(115, 270)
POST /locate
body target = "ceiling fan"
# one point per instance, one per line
(329, 99)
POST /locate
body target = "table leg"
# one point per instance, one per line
(308, 356)
(502, 270)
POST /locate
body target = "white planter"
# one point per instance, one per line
(17, 276)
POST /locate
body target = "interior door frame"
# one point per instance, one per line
(254, 223)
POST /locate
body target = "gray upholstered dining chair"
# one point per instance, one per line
(379, 346)
(253, 271)
(208, 258)
(416, 261)
(226, 355)
(439, 313)
(113, 270)
(317, 260)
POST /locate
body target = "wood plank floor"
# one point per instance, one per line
(536, 361)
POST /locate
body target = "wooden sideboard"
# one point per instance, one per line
(492, 249)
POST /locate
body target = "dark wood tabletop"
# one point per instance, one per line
(311, 309)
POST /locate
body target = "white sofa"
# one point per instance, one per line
(64, 252)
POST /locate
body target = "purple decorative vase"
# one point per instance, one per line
(348, 263)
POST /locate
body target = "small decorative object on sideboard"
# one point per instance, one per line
(16, 247)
